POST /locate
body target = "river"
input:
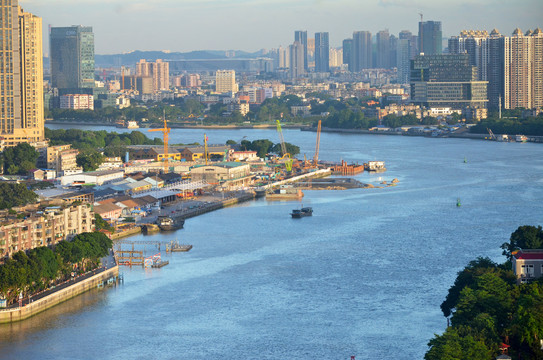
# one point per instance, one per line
(363, 276)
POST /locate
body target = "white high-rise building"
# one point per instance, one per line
(225, 81)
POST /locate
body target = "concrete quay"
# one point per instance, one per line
(57, 296)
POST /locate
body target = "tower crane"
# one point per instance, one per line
(316, 157)
(288, 163)
(165, 131)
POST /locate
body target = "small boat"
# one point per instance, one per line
(174, 246)
(160, 263)
(298, 213)
(166, 223)
(458, 204)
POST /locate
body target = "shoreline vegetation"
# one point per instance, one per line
(489, 313)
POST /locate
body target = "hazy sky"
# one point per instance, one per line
(186, 25)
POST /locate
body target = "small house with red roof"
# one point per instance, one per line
(528, 264)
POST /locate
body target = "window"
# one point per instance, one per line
(527, 270)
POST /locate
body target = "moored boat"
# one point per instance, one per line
(166, 223)
(305, 211)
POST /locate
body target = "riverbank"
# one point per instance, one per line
(464, 135)
(181, 126)
(57, 297)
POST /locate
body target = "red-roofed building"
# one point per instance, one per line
(528, 264)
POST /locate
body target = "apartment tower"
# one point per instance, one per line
(21, 77)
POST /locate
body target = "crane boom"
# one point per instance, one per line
(165, 131)
(316, 157)
(281, 138)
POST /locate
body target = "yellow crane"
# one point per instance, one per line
(316, 157)
(288, 163)
(165, 131)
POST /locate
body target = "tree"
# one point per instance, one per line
(90, 160)
(19, 159)
(525, 237)
(293, 150)
(12, 195)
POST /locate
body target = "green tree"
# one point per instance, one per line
(12, 195)
(90, 160)
(19, 159)
(525, 237)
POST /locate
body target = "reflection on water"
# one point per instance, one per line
(53, 318)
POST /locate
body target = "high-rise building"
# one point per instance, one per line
(21, 76)
(383, 50)
(322, 52)
(336, 58)
(284, 58)
(301, 37)
(404, 54)
(225, 81)
(475, 44)
(72, 57)
(347, 52)
(446, 81)
(361, 55)
(296, 60)
(523, 65)
(430, 37)
(159, 71)
(393, 55)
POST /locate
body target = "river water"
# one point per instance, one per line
(364, 276)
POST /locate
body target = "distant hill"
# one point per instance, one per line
(130, 59)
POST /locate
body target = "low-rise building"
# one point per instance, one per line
(108, 211)
(226, 174)
(77, 102)
(93, 177)
(45, 228)
(214, 152)
(528, 264)
(245, 156)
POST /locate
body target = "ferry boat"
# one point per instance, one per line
(166, 223)
(299, 213)
(128, 124)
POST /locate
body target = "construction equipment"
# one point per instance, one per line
(492, 136)
(284, 153)
(316, 157)
(165, 131)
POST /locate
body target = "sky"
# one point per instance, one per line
(250, 25)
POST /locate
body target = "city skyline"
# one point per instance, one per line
(124, 26)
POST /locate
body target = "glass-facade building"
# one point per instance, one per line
(72, 57)
(322, 52)
(447, 81)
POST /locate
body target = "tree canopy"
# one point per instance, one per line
(12, 195)
(19, 159)
(487, 307)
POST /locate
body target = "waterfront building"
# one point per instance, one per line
(296, 60)
(430, 37)
(72, 57)
(322, 52)
(47, 228)
(383, 50)
(21, 77)
(361, 55)
(225, 81)
(228, 175)
(159, 71)
(523, 70)
(301, 37)
(528, 265)
(446, 81)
